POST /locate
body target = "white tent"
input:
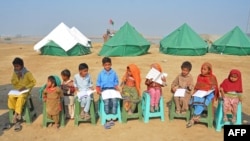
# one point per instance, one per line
(62, 37)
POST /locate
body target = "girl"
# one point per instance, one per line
(205, 81)
(131, 88)
(68, 89)
(231, 89)
(52, 95)
(154, 89)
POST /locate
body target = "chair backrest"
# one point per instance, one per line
(58, 82)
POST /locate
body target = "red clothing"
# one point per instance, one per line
(229, 86)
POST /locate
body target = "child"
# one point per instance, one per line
(108, 80)
(205, 81)
(52, 95)
(231, 89)
(185, 81)
(154, 89)
(68, 89)
(21, 79)
(131, 88)
(83, 83)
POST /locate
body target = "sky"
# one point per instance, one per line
(153, 18)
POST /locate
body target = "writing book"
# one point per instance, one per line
(202, 93)
(155, 75)
(82, 94)
(17, 92)
(180, 92)
(107, 94)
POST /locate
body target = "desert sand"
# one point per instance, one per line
(134, 130)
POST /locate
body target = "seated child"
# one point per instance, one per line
(83, 83)
(52, 95)
(183, 80)
(131, 88)
(154, 89)
(68, 89)
(205, 81)
(108, 80)
(231, 89)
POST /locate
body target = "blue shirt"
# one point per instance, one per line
(83, 83)
(107, 79)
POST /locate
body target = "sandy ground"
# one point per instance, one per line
(43, 66)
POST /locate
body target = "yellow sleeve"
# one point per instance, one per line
(31, 80)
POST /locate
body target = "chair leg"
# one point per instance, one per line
(92, 112)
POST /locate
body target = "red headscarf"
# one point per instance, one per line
(136, 75)
(228, 85)
(208, 81)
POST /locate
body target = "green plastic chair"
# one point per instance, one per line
(138, 114)
(172, 113)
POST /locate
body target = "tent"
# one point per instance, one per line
(183, 41)
(235, 42)
(63, 41)
(125, 42)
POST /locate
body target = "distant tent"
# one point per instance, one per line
(125, 42)
(183, 41)
(235, 42)
(63, 41)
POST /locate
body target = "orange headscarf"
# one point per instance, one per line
(136, 75)
(208, 81)
(157, 66)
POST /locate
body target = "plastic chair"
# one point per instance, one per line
(78, 119)
(138, 114)
(28, 112)
(146, 108)
(104, 116)
(173, 114)
(219, 123)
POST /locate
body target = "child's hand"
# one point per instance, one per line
(163, 78)
(240, 99)
(23, 88)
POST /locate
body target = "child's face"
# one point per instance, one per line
(64, 77)
(129, 72)
(233, 77)
(205, 70)
(49, 84)
(107, 66)
(17, 67)
(185, 71)
(83, 72)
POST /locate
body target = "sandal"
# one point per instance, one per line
(107, 126)
(111, 123)
(7, 126)
(18, 127)
(234, 120)
(190, 124)
(225, 119)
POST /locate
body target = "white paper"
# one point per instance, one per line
(17, 92)
(82, 94)
(155, 75)
(180, 93)
(201, 93)
(106, 94)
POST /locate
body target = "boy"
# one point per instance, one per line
(108, 80)
(83, 83)
(185, 81)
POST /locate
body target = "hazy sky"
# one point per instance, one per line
(149, 17)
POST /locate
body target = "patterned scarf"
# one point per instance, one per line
(22, 72)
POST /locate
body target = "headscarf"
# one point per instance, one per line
(157, 66)
(208, 81)
(228, 85)
(135, 71)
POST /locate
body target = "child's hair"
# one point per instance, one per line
(66, 72)
(83, 66)
(18, 61)
(52, 80)
(187, 65)
(106, 60)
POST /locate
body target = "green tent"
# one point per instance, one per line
(183, 41)
(125, 42)
(235, 42)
